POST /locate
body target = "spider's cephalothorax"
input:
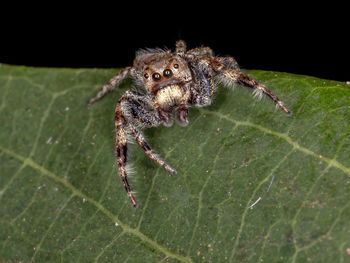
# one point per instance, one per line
(172, 82)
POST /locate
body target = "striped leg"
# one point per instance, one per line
(258, 88)
(121, 153)
(229, 62)
(111, 84)
(141, 141)
(230, 75)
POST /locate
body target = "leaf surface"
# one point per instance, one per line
(254, 185)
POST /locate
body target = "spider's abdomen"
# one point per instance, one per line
(169, 96)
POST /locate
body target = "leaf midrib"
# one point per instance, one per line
(76, 192)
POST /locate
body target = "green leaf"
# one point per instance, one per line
(254, 185)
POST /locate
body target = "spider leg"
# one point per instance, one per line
(229, 62)
(121, 153)
(180, 47)
(134, 110)
(111, 84)
(232, 76)
(201, 51)
(141, 141)
(204, 87)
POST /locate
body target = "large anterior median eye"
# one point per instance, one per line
(167, 73)
(156, 76)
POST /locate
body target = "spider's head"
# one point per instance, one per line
(157, 69)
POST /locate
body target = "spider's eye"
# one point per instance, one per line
(167, 73)
(176, 65)
(146, 76)
(156, 76)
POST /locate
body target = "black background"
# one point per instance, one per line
(311, 41)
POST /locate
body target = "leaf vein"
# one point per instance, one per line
(42, 121)
(38, 247)
(103, 250)
(286, 138)
(200, 204)
(244, 214)
(294, 219)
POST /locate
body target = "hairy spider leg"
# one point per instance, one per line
(204, 87)
(201, 51)
(229, 62)
(121, 153)
(180, 47)
(234, 76)
(112, 84)
(134, 110)
(141, 141)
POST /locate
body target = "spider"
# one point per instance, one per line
(172, 82)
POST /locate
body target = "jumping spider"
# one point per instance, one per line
(172, 82)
